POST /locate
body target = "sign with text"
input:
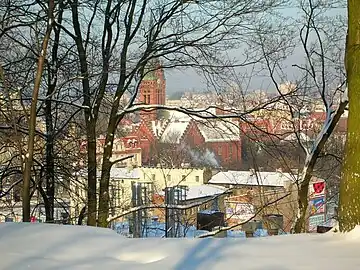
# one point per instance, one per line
(315, 221)
(317, 206)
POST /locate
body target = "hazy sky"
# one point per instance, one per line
(188, 80)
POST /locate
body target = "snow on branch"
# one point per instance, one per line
(120, 159)
(328, 127)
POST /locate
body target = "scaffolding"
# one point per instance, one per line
(142, 194)
(174, 196)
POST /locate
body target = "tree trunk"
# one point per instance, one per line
(90, 118)
(81, 216)
(50, 165)
(32, 120)
(349, 209)
(50, 140)
(91, 155)
(300, 224)
(104, 198)
(46, 201)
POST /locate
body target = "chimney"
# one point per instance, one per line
(207, 175)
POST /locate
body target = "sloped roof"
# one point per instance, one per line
(292, 137)
(249, 178)
(158, 127)
(174, 132)
(123, 173)
(219, 131)
(201, 191)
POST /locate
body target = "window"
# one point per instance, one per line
(197, 178)
(219, 150)
(153, 177)
(286, 125)
(168, 178)
(230, 151)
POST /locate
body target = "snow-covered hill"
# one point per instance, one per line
(41, 246)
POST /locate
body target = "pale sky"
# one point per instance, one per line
(188, 80)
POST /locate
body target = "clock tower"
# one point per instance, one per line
(152, 89)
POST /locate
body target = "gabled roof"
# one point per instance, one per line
(143, 130)
(250, 178)
(174, 131)
(158, 127)
(219, 131)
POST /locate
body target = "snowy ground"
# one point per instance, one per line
(41, 246)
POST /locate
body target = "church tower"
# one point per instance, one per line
(152, 89)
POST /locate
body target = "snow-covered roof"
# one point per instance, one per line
(123, 173)
(83, 247)
(178, 116)
(218, 131)
(196, 192)
(250, 178)
(174, 131)
(158, 126)
(292, 137)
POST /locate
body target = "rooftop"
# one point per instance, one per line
(123, 173)
(197, 192)
(251, 178)
(217, 131)
(174, 131)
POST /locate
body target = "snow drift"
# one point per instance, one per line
(42, 246)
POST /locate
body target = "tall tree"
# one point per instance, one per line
(349, 210)
(133, 34)
(318, 82)
(33, 113)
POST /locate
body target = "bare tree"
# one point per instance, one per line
(191, 43)
(321, 80)
(349, 188)
(32, 120)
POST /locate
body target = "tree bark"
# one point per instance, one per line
(91, 155)
(90, 119)
(81, 216)
(49, 159)
(349, 208)
(104, 199)
(32, 120)
(50, 139)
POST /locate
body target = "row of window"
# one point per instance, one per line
(183, 178)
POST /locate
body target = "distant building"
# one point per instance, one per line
(253, 192)
(205, 198)
(152, 89)
(120, 185)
